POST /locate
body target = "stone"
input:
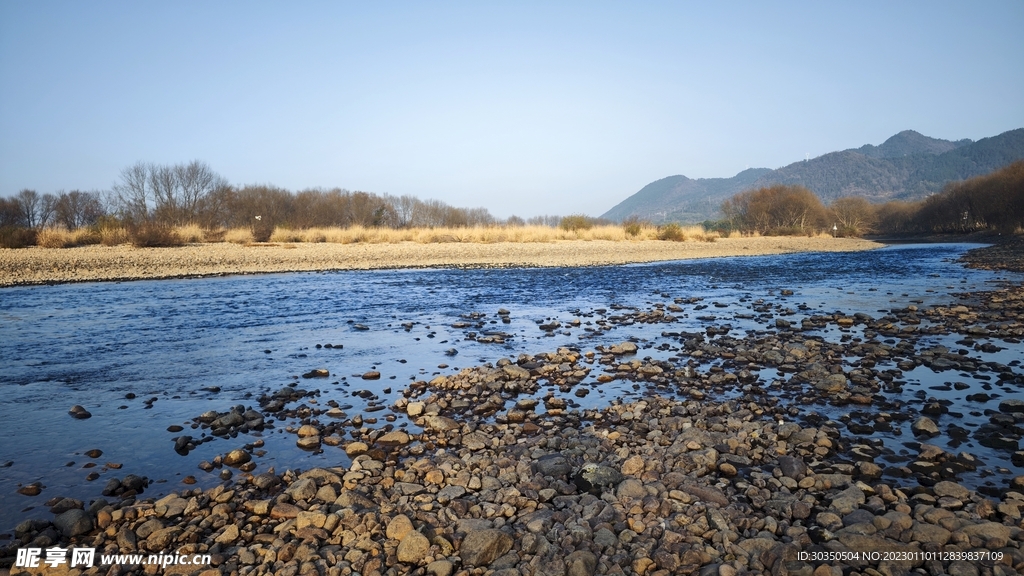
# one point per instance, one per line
(308, 442)
(398, 527)
(594, 478)
(554, 465)
(481, 547)
(307, 430)
(413, 548)
(236, 458)
(302, 489)
(356, 448)
(440, 568)
(633, 466)
(792, 467)
(229, 535)
(848, 500)
(631, 488)
(440, 423)
(952, 489)
(581, 563)
(79, 412)
(414, 409)
(73, 523)
(925, 426)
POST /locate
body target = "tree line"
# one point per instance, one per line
(148, 195)
(993, 202)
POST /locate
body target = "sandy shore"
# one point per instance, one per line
(104, 263)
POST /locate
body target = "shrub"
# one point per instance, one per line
(632, 226)
(238, 236)
(672, 232)
(575, 223)
(55, 238)
(17, 237)
(262, 231)
(152, 235)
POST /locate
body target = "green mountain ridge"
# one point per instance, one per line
(907, 166)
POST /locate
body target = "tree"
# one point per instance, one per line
(133, 195)
(29, 202)
(76, 209)
(853, 214)
(775, 209)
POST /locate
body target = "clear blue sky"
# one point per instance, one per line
(523, 108)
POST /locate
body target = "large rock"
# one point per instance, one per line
(594, 478)
(792, 467)
(925, 426)
(394, 438)
(413, 548)
(440, 423)
(73, 522)
(481, 547)
(552, 465)
(581, 563)
(237, 458)
(848, 500)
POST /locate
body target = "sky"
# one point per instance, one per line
(523, 108)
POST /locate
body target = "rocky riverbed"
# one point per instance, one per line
(728, 463)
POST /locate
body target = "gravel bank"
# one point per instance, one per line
(103, 263)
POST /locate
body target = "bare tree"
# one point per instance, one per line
(133, 195)
(47, 209)
(195, 181)
(76, 209)
(28, 203)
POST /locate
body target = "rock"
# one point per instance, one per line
(832, 383)
(987, 531)
(414, 409)
(229, 535)
(848, 500)
(952, 489)
(581, 563)
(792, 467)
(925, 426)
(413, 548)
(394, 438)
(371, 375)
(356, 448)
(79, 412)
(440, 423)
(236, 458)
(1011, 405)
(594, 478)
(73, 523)
(398, 527)
(706, 493)
(317, 373)
(306, 430)
(302, 489)
(554, 465)
(631, 488)
(624, 348)
(440, 568)
(32, 489)
(481, 547)
(633, 466)
(308, 442)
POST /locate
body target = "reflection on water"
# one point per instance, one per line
(183, 347)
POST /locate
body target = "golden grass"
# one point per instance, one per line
(478, 234)
(191, 234)
(64, 238)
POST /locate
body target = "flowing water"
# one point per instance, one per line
(183, 347)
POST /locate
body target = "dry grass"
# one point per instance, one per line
(63, 238)
(479, 234)
(193, 234)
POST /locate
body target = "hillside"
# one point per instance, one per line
(907, 166)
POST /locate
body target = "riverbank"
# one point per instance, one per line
(118, 263)
(1006, 253)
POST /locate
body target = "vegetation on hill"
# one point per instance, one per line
(994, 202)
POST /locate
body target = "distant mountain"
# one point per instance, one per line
(907, 166)
(678, 198)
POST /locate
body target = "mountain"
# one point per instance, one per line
(678, 198)
(907, 166)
